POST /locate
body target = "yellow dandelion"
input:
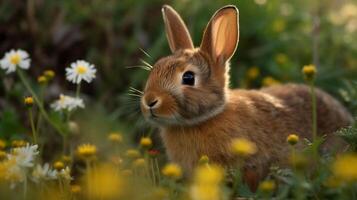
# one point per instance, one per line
(58, 165)
(104, 183)
(243, 147)
(49, 74)
(28, 101)
(75, 189)
(2, 144)
(42, 80)
(132, 153)
(2, 155)
(172, 170)
(145, 142)
(207, 183)
(139, 163)
(344, 167)
(270, 81)
(18, 143)
(309, 72)
(253, 72)
(115, 137)
(87, 151)
(292, 139)
(267, 186)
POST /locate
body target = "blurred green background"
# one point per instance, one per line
(277, 37)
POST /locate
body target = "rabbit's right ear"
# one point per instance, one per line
(176, 30)
(221, 36)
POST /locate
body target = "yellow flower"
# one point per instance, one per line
(309, 72)
(243, 147)
(207, 183)
(115, 137)
(2, 144)
(253, 72)
(42, 80)
(18, 143)
(145, 142)
(292, 139)
(139, 163)
(87, 151)
(267, 186)
(104, 183)
(281, 58)
(28, 101)
(172, 170)
(58, 165)
(270, 81)
(344, 167)
(49, 74)
(2, 155)
(75, 189)
(204, 160)
(132, 153)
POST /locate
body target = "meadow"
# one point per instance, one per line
(72, 74)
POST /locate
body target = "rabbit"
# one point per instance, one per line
(187, 96)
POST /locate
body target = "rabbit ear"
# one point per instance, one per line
(176, 31)
(221, 36)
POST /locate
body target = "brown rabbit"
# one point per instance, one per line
(188, 98)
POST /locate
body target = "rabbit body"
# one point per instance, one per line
(265, 117)
(188, 98)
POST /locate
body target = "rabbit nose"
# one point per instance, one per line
(153, 103)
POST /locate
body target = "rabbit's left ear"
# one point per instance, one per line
(221, 36)
(176, 30)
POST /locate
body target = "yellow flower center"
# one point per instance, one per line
(15, 59)
(81, 69)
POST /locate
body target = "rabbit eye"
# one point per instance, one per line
(188, 78)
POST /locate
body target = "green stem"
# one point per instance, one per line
(38, 102)
(34, 134)
(158, 171)
(314, 111)
(78, 90)
(153, 170)
(39, 116)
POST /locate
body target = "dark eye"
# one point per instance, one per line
(188, 78)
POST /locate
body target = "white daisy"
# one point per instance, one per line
(80, 70)
(65, 174)
(43, 173)
(15, 58)
(67, 103)
(24, 156)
